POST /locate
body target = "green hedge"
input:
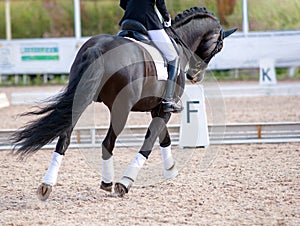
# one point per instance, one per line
(31, 19)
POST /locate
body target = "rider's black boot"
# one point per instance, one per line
(169, 104)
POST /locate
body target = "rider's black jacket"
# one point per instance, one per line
(144, 12)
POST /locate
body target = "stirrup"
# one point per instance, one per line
(171, 106)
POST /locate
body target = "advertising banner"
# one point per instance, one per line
(37, 56)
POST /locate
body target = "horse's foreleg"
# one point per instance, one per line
(156, 126)
(50, 177)
(170, 171)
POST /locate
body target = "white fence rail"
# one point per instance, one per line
(246, 52)
(219, 134)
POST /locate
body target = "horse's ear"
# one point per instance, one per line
(229, 32)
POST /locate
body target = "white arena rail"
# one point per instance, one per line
(55, 55)
(88, 137)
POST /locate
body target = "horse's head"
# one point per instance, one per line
(203, 36)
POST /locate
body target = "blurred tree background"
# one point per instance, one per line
(55, 18)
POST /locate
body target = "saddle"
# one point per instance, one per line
(134, 29)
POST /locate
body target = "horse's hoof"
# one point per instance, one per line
(106, 186)
(170, 173)
(120, 190)
(44, 191)
(122, 187)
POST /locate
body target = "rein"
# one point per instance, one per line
(186, 49)
(179, 40)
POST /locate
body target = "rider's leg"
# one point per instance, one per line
(169, 104)
(164, 44)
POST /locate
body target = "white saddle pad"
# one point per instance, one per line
(161, 69)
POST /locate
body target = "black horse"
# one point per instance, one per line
(121, 74)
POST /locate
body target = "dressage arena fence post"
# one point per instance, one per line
(267, 73)
(194, 128)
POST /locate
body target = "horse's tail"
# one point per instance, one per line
(64, 110)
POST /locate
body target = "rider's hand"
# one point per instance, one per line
(167, 23)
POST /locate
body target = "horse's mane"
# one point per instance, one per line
(192, 13)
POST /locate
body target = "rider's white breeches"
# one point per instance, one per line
(163, 43)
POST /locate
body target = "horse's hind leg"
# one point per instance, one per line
(108, 145)
(118, 121)
(50, 177)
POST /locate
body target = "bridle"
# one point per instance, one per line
(190, 54)
(216, 49)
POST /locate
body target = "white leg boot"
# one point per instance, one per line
(130, 175)
(107, 174)
(170, 170)
(50, 177)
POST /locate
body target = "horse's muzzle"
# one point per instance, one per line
(195, 76)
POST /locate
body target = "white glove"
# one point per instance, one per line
(168, 23)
